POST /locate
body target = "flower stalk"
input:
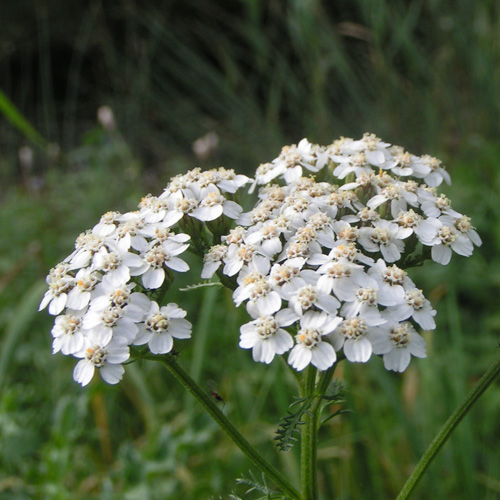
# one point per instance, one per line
(309, 441)
(210, 406)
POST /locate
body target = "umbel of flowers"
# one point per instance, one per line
(319, 260)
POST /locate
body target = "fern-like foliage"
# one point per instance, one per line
(260, 486)
(288, 427)
(194, 286)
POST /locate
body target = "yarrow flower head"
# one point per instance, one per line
(319, 261)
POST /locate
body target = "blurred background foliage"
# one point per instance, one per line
(258, 74)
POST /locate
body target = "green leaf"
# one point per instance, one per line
(17, 120)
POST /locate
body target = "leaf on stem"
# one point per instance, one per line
(288, 426)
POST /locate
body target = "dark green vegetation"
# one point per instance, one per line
(260, 74)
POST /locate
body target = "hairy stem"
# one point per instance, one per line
(213, 410)
(309, 435)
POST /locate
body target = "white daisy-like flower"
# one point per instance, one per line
(60, 283)
(180, 203)
(266, 236)
(385, 237)
(213, 205)
(309, 296)
(392, 283)
(449, 238)
(341, 277)
(365, 303)
(113, 321)
(266, 337)
(294, 158)
(109, 293)
(229, 181)
(106, 225)
(463, 225)
(255, 288)
(287, 279)
(399, 197)
(212, 260)
(115, 262)
(161, 326)
(87, 245)
(417, 307)
(356, 163)
(310, 346)
(85, 282)
(397, 342)
(153, 209)
(353, 336)
(437, 174)
(242, 255)
(155, 259)
(435, 206)
(403, 162)
(129, 233)
(106, 357)
(375, 150)
(68, 333)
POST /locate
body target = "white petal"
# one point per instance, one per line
(112, 374)
(397, 360)
(299, 357)
(83, 372)
(160, 344)
(177, 264)
(58, 304)
(153, 278)
(441, 254)
(323, 356)
(358, 351)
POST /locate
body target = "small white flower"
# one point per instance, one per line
(392, 283)
(212, 260)
(161, 326)
(310, 347)
(417, 307)
(353, 336)
(309, 296)
(341, 277)
(87, 245)
(68, 333)
(385, 237)
(115, 263)
(266, 337)
(85, 282)
(129, 232)
(397, 342)
(212, 205)
(60, 283)
(113, 321)
(254, 287)
(448, 239)
(153, 262)
(436, 173)
(106, 357)
(243, 255)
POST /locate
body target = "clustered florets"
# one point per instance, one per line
(319, 260)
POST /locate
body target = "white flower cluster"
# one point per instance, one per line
(101, 292)
(320, 258)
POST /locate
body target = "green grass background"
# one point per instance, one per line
(422, 74)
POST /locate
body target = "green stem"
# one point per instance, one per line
(213, 410)
(448, 428)
(309, 435)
